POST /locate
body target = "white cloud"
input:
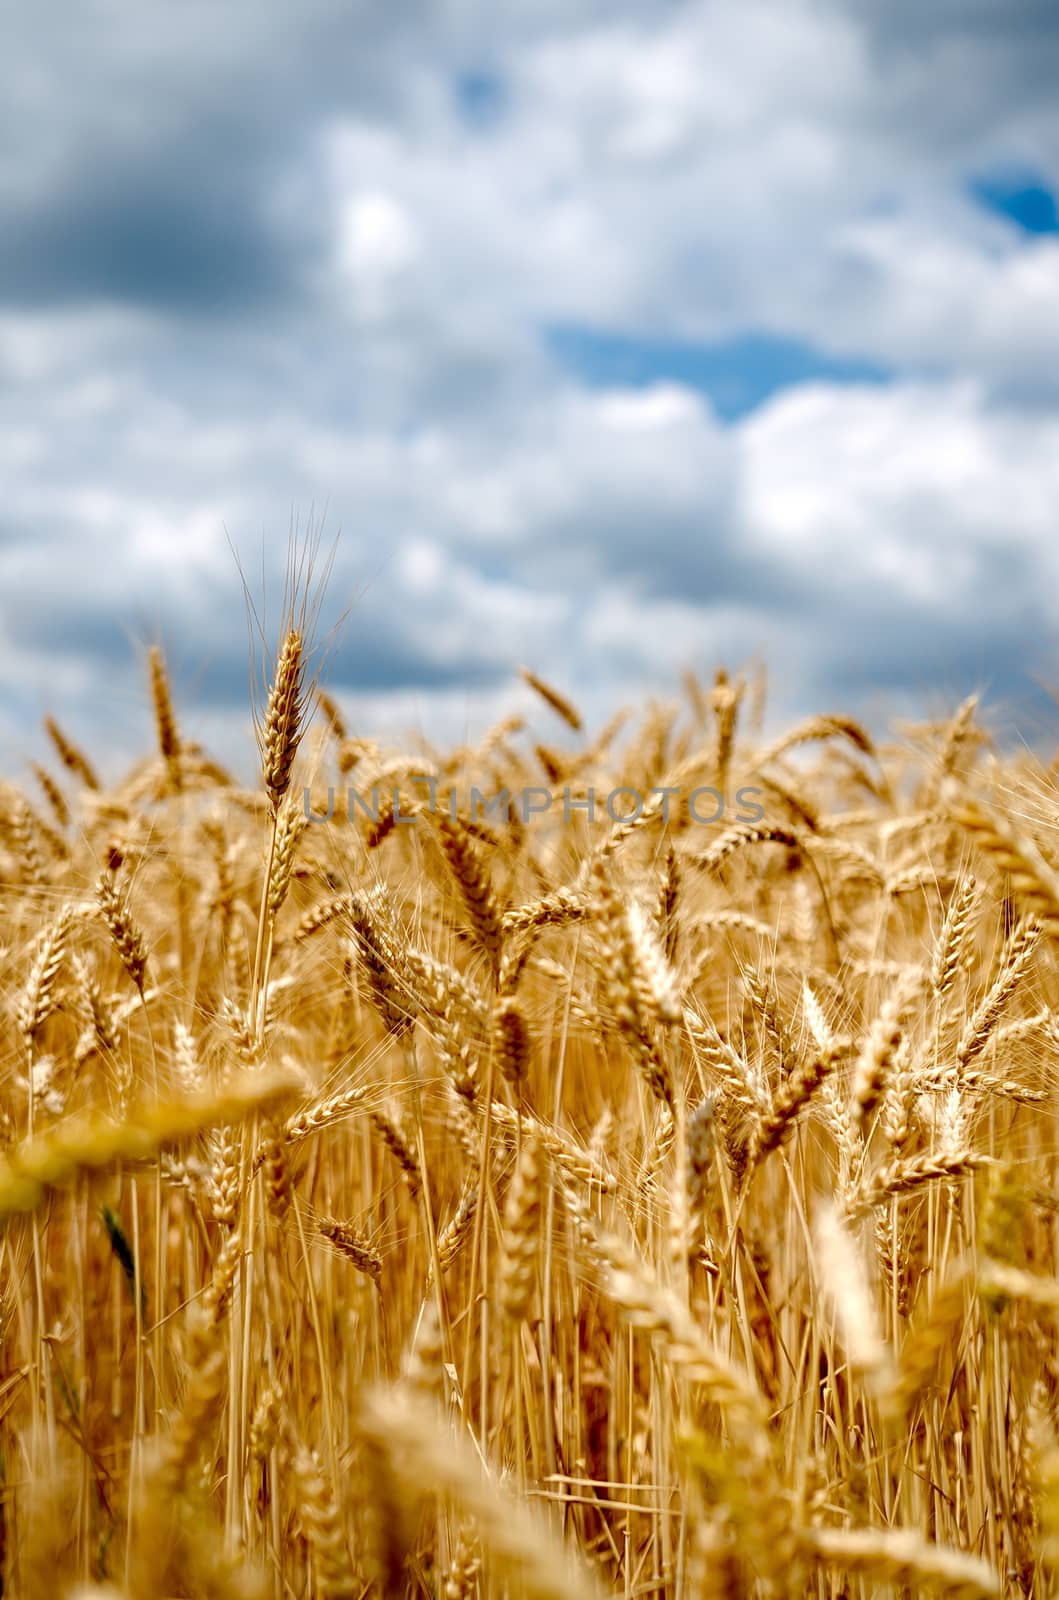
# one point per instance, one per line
(378, 242)
(714, 168)
(688, 170)
(929, 470)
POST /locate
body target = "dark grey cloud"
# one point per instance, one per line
(145, 161)
(172, 230)
(1013, 24)
(923, 650)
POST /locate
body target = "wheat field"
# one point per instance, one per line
(465, 1201)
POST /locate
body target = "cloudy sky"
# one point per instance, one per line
(609, 338)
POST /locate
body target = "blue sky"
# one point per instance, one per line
(734, 375)
(608, 338)
(1024, 199)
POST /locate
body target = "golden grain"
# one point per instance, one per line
(609, 1209)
